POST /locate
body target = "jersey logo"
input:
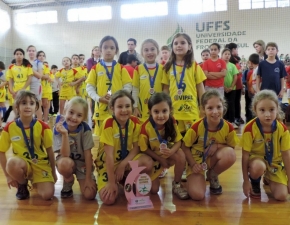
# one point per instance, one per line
(116, 135)
(100, 73)
(201, 138)
(153, 139)
(16, 138)
(259, 141)
(218, 65)
(171, 73)
(277, 70)
(143, 77)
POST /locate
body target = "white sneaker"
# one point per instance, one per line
(183, 177)
(235, 126)
(163, 173)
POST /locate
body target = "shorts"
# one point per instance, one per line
(98, 125)
(103, 176)
(198, 159)
(38, 173)
(37, 90)
(275, 172)
(221, 90)
(46, 95)
(3, 95)
(80, 169)
(184, 125)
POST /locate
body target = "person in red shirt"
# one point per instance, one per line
(287, 78)
(215, 69)
(132, 62)
(205, 55)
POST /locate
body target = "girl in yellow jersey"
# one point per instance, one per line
(118, 145)
(19, 75)
(161, 140)
(82, 70)
(209, 145)
(2, 93)
(45, 83)
(67, 79)
(266, 148)
(31, 142)
(183, 80)
(147, 79)
(106, 78)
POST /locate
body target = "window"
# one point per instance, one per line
(259, 4)
(186, 7)
(141, 10)
(41, 17)
(90, 14)
(5, 20)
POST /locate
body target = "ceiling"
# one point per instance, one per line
(22, 4)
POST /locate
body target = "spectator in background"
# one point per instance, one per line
(131, 64)
(131, 51)
(260, 49)
(165, 54)
(82, 59)
(95, 58)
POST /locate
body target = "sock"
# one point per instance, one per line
(255, 180)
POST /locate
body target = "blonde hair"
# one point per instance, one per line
(23, 95)
(152, 42)
(269, 95)
(92, 55)
(78, 100)
(211, 93)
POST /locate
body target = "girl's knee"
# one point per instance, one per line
(64, 165)
(109, 201)
(14, 164)
(280, 195)
(89, 194)
(47, 194)
(196, 195)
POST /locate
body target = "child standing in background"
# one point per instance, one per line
(73, 142)
(33, 157)
(183, 80)
(147, 79)
(266, 148)
(131, 64)
(215, 69)
(67, 79)
(205, 55)
(106, 78)
(118, 145)
(2, 93)
(19, 74)
(209, 145)
(229, 86)
(161, 140)
(55, 92)
(165, 54)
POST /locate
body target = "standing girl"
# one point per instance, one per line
(215, 69)
(106, 78)
(229, 86)
(19, 74)
(35, 85)
(266, 148)
(67, 79)
(33, 157)
(161, 140)
(209, 145)
(2, 94)
(95, 58)
(147, 79)
(183, 80)
(82, 70)
(73, 142)
(118, 145)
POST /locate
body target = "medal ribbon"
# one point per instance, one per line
(151, 79)
(179, 86)
(123, 140)
(157, 132)
(268, 152)
(30, 145)
(109, 75)
(205, 137)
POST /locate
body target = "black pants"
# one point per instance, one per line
(55, 103)
(248, 100)
(7, 114)
(230, 114)
(238, 103)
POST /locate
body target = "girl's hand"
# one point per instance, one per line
(108, 97)
(247, 188)
(90, 184)
(54, 176)
(60, 128)
(11, 182)
(196, 168)
(137, 113)
(110, 190)
(166, 152)
(72, 84)
(212, 149)
(164, 163)
(119, 172)
(281, 94)
(103, 100)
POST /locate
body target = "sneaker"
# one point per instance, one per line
(67, 191)
(241, 121)
(180, 192)
(214, 184)
(237, 122)
(256, 190)
(235, 126)
(183, 177)
(163, 173)
(22, 192)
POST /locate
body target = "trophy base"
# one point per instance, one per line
(138, 203)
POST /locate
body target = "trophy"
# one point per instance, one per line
(142, 188)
